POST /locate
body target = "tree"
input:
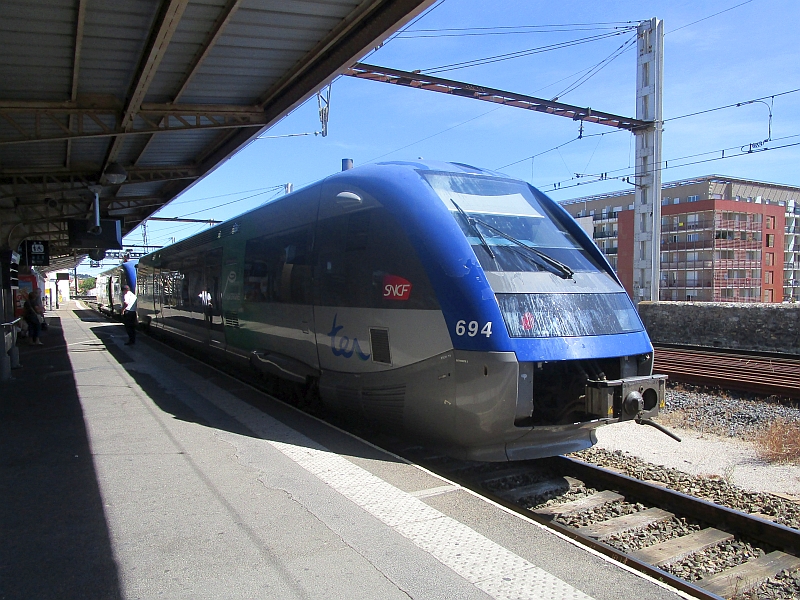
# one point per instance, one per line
(86, 284)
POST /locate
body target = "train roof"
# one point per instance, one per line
(369, 170)
(126, 266)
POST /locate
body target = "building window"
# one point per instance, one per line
(767, 295)
(692, 237)
(768, 276)
(693, 198)
(770, 259)
(770, 221)
(770, 240)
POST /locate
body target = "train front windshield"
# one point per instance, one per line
(511, 230)
(500, 217)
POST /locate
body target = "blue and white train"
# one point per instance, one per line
(109, 287)
(463, 306)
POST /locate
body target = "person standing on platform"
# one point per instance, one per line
(129, 314)
(34, 316)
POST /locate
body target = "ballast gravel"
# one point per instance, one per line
(709, 419)
(726, 414)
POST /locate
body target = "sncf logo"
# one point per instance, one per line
(396, 288)
(527, 321)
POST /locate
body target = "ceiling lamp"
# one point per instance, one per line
(115, 174)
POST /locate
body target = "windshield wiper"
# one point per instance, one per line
(471, 223)
(559, 268)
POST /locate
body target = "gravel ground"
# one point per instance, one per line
(716, 461)
(728, 415)
(717, 433)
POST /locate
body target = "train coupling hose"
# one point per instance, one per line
(640, 420)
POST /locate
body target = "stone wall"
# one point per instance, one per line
(760, 327)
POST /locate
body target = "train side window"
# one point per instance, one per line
(277, 268)
(365, 259)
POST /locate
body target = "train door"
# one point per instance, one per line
(276, 312)
(211, 298)
(194, 297)
(277, 294)
(158, 300)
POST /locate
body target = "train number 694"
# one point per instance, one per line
(471, 329)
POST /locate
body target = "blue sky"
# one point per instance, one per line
(749, 51)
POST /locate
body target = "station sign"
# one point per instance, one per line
(37, 253)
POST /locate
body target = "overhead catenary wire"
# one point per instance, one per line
(275, 188)
(519, 53)
(734, 105)
(554, 148)
(708, 17)
(723, 155)
(597, 68)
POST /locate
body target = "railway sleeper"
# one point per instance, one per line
(743, 578)
(541, 489)
(618, 525)
(677, 549)
(580, 505)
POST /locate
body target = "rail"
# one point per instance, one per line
(753, 373)
(523, 488)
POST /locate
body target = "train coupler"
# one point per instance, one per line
(627, 398)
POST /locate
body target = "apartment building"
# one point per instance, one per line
(723, 239)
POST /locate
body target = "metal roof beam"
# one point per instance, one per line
(48, 124)
(163, 29)
(104, 105)
(205, 48)
(364, 28)
(30, 184)
(468, 90)
(76, 65)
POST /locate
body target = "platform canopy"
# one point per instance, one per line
(144, 97)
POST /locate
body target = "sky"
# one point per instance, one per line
(717, 53)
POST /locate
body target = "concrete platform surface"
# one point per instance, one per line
(135, 472)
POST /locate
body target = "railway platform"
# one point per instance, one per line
(135, 472)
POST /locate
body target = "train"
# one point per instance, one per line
(456, 304)
(109, 287)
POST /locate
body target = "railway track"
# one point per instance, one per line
(585, 495)
(756, 374)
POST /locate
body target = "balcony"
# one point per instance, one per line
(737, 225)
(689, 283)
(738, 244)
(605, 216)
(699, 245)
(669, 227)
(690, 264)
(738, 282)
